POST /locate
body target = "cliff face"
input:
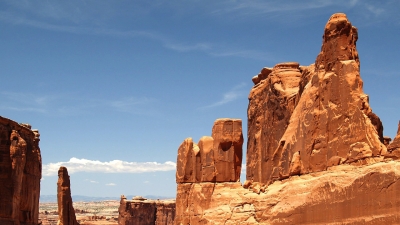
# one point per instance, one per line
(315, 152)
(66, 212)
(344, 194)
(20, 173)
(306, 119)
(146, 212)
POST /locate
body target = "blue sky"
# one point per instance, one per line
(114, 87)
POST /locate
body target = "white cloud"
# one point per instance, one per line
(233, 94)
(92, 181)
(75, 165)
(111, 184)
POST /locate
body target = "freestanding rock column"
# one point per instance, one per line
(66, 212)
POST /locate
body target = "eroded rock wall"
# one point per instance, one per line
(20, 173)
(307, 119)
(344, 195)
(66, 212)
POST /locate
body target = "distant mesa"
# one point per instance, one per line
(142, 211)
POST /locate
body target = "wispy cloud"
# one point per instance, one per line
(167, 42)
(374, 9)
(111, 184)
(76, 165)
(235, 93)
(92, 181)
(186, 48)
(71, 104)
(257, 7)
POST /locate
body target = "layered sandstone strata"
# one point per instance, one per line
(307, 119)
(140, 211)
(66, 212)
(214, 159)
(20, 173)
(345, 195)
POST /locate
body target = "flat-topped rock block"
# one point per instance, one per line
(216, 158)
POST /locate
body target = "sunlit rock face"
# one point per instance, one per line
(214, 159)
(20, 173)
(315, 150)
(307, 119)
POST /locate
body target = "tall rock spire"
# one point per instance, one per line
(66, 212)
(306, 119)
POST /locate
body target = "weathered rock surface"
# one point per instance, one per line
(306, 119)
(214, 159)
(344, 194)
(66, 212)
(146, 212)
(315, 151)
(271, 104)
(393, 149)
(20, 173)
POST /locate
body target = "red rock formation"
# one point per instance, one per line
(20, 173)
(214, 159)
(140, 211)
(314, 152)
(394, 147)
(326, 123)
(271, 103)
(66, 212)
(345, 194)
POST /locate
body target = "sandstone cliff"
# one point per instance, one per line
(140, 211)
(66, 212)
(344, 194)
(20, 173)
(315, 150)
(306, 119)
